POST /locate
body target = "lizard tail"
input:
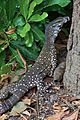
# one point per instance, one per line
(54, 27)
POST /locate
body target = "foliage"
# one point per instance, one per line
(22, 27)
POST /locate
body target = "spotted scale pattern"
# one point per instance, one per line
(45, 64)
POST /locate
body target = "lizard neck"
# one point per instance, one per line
(50, 36)
(51, 32)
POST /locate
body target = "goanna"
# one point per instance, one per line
(45, 63)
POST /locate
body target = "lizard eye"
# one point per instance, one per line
(59, 25)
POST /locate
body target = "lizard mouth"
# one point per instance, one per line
(60, 20)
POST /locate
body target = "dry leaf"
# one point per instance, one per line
(20, 72)
(23, 117)
(4, 76)
(26, 113)
(59, 112)
(11, 31)
(27, 101)
(18, 108)
(76, 102)
(57, 107)
(23, 60)
(1, 42)
(4, 117)
(14, 65)
(14, 78)
(57, 116)
(57, 88)
(73, 116)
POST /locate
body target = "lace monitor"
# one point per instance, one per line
(45, 63)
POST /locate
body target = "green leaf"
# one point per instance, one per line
(24, 4)
(3, 47)
(18, 21)
(38, 33)
(3, 20)
(19, 29)
(59, 9)
(37, 17)
(48, 3)
(31, 8)
(34, 50)
(28, 53)
(62, 3)
(5, 68)
(13, 36)
(17, 57)
(38, 1)
(2, 58)
(11, 8)
(29, 39)
(26, 28)
(2, 4)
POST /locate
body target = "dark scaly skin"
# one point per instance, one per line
(46, 63)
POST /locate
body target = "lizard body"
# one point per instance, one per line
(46, 63)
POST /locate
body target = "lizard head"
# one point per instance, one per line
(54, 27)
